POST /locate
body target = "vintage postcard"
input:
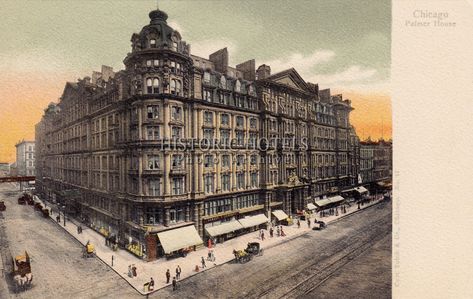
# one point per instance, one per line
(214, 149)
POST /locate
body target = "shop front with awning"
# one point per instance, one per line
(361, 190)
(329, 202)
(182, 238)
(311, 207)
(279, 216)
(253, 222)
(224, 231)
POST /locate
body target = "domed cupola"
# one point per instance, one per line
(159, 35)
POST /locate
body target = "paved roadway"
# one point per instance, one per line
(349, 259)
(58, 269)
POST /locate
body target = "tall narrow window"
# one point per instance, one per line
(149, 85)
(155, 85)
(152, 43)
(173, 86)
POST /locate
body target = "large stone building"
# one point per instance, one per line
(175, 140)
(25, 158)
(376, 163)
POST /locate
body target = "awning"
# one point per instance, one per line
(311, 206)
(330, 200)
(179, 238)
(224, 228)
(253, 220)
(280, 214)
(361, 190)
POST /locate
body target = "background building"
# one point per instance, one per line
(376, 163)
(176, 142)
(4, 169)
(25, 158)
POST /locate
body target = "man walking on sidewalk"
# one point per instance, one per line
(298, 223)
(308, 222)
(168, 276)
(271, 232)
(203, 262)
(174, 284)
(178, 272)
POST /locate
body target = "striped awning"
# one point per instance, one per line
(224, 228)
(251, 221)
(280, 214)
(179, 238)
(331, 200)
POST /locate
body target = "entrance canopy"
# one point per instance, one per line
(311, 206)
(253, 220)
(361, 190)
(280, 214)
(179, 238)
(224, 228)
(327, 201)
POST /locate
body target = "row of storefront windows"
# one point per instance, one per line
(228, 204)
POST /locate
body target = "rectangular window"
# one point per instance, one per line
(239, 121)
(208, 161)
(177, 186)
(152, 215)
(154, 187)
(241, 180)
(208, 117)
(254, 179)
(225, 182)
(153, 162)
(153, 111)
(176, 113)
(240, 160)
(206, 77)
(176, 132)
(253, 123)
(156, 62)
(207, 96)
(152, 133)
(225, 161)
(240, 137)
(225, 136)
(209, 183)
(224, 119)
(253, 159)
(177, 161)
(208, 134)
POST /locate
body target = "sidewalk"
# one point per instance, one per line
(157, 269)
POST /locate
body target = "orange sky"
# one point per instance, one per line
(24, 97)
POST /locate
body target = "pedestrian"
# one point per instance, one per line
(278, 232)
(58, 218)
(282, 233)
(130, 273)
(298, 223)
(178, 272)
(308, 222)
(203, 262)
(168, 276)
(262, 235)
(271, 231)
(133, 270)
(78, 230)
(174, 284)
(151, 284)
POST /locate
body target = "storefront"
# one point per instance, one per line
(328, 203)
(279, 217)
(224, 231)
(179, 239)
(253, 223)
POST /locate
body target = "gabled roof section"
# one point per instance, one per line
(291, 78)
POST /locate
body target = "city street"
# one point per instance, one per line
(349, 259)
(59, 271)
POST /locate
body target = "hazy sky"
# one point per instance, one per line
(343, 45)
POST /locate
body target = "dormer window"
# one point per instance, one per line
(152, 43)
(223, 82)
(174, 45)
(237, 86)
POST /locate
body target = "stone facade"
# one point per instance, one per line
(25, 158)
(376, 161)
(176, 139)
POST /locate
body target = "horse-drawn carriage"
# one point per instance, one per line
(252, 249)
(25, 198)
(319, 225)
(89, 250)
(21, 272)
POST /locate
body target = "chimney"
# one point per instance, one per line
(263, 72)
(220, 60)
(248, 69)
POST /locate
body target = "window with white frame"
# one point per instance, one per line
(154, 187)
(152, 111)
(153, 132)
(177, 186)
(208, 117)
(209, 183)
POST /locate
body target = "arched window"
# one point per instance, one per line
(155, 85)
(223, 82)
(152, 43)
(237, 86)
(149, 85)
(173, 86)
(178, 87)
